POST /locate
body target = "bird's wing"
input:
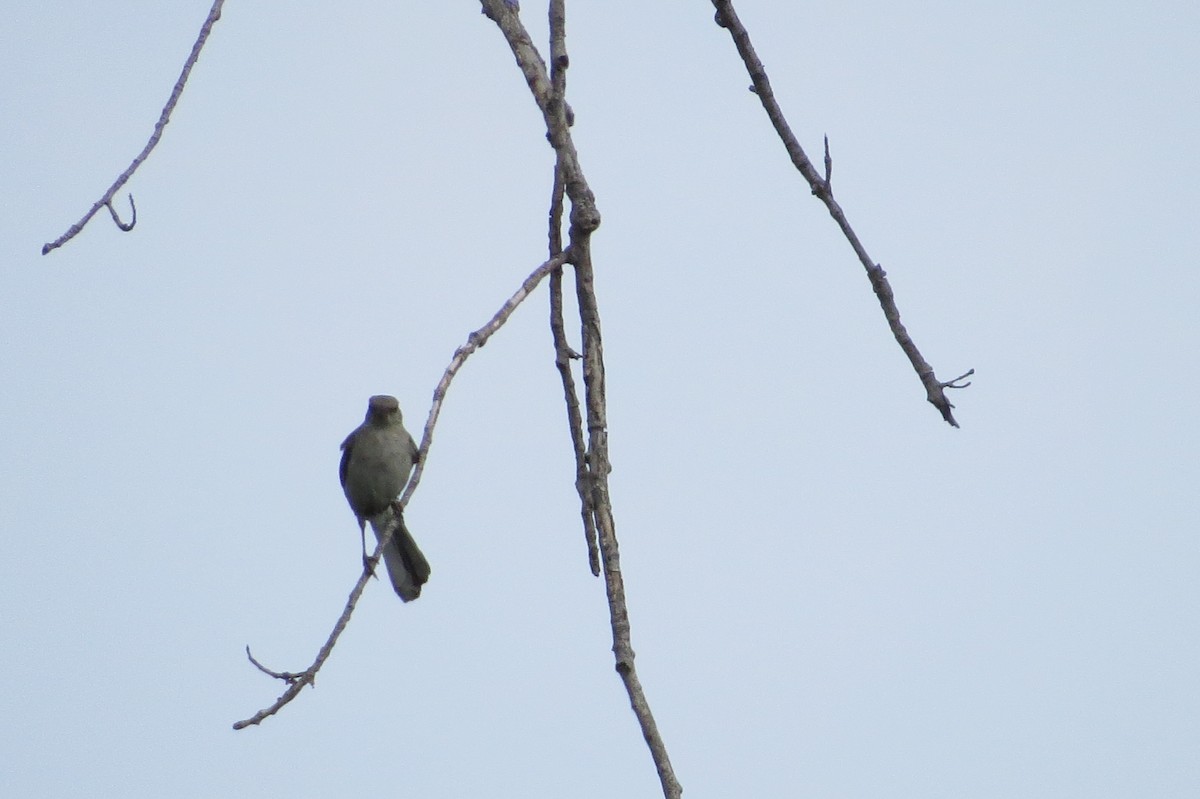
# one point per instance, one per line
(347, 445)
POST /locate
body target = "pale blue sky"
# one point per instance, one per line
(832, 592)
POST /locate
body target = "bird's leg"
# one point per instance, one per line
(368, 565)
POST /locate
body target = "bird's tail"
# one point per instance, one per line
(406, 566)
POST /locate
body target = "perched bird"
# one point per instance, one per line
(377, 459)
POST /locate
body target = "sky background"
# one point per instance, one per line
(833, 593)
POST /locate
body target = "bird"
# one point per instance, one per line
(377, 459)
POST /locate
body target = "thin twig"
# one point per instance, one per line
(727, 18)
(828, 166)
(584, 220)
(288, 677)
(297, 681)
(563, 355)
(214, 14)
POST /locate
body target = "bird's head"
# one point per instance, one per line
(383, 409)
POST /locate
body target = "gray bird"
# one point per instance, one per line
(377, 459)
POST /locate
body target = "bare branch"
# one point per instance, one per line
(727, 18)
(474, 341)
(584, 215)
(594, 491)
(599, 468)
(214, 14)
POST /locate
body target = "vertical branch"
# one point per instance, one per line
(563, 354)
(599, 467)
(584, 219)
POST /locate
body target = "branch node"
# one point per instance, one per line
(586, 219)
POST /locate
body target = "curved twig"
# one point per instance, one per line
(214, 14)
(123, 226)
(288, 677)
